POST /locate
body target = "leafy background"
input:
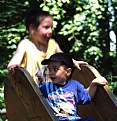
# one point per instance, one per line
(81, 27)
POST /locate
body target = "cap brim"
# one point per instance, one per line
(46, 61)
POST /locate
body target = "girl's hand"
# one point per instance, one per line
(12, 68)
(78, 63)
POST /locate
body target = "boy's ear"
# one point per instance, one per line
(31, 29)
(69, 70)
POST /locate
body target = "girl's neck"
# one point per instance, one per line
(40, 47)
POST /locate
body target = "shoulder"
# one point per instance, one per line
(45, 88)
(45, 85)
(52, 41)
(25, 43)
(75, 83)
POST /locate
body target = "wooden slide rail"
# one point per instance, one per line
(25, 102)
(23, 99)
(104, 105)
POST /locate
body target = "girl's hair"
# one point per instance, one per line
(35, 17)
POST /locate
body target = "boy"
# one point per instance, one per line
(63, 94)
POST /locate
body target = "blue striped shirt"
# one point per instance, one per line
(64, 99)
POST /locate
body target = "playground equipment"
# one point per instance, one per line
(25, 102)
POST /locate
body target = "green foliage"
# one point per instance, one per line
(2, 97)
(81, 27)
(86, 26)
(112, 84)
(12, 31)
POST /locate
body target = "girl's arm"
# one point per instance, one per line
(76, 63)
(17, 57)
(58, 48)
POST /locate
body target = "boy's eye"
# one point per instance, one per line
(55, 69)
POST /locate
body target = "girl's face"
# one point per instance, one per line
(44, 31)
(58, 73)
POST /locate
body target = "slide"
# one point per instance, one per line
(25, 102)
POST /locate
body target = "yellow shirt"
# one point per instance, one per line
(32, 57)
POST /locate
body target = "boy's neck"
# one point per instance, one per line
(61, 85)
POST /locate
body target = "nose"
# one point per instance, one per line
(51, 73)
(51, 70)
(49, 33)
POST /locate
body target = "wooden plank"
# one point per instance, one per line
(23, 99)
(104, 105)
(14, 106)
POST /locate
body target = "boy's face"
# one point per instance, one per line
(44, 31)
(58, 72)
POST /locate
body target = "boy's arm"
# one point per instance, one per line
(93, 86)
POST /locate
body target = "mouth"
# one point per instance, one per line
(47, 38)
(53, 78)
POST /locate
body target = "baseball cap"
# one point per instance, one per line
(60, 57)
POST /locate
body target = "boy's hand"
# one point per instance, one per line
(100, 81)
(38, 76)
(94, 84)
